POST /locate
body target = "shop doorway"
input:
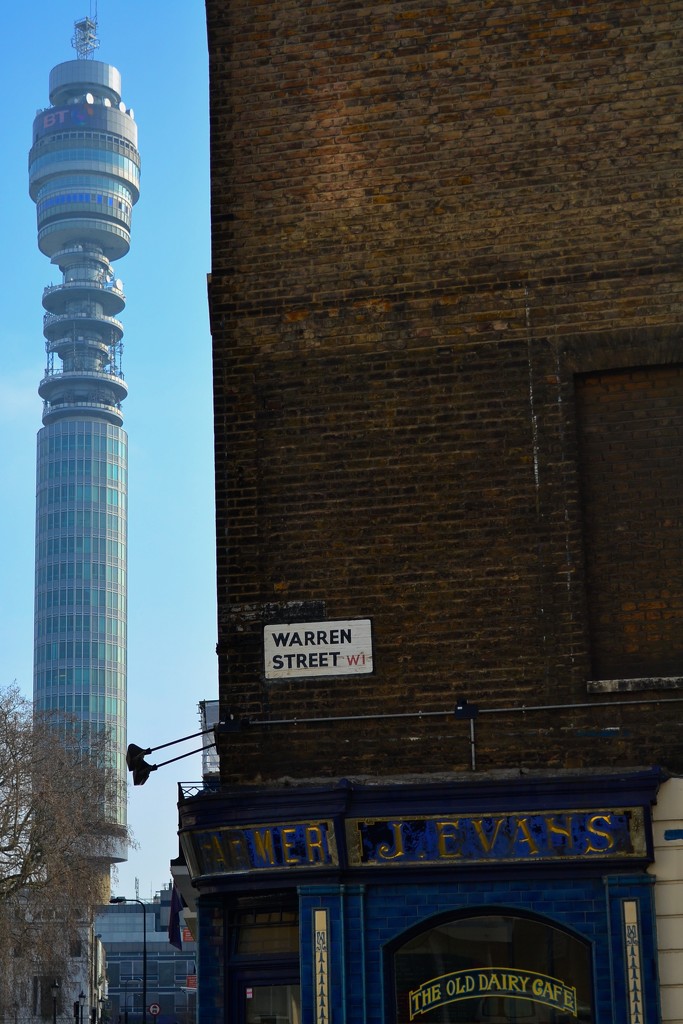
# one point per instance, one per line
(263, 954)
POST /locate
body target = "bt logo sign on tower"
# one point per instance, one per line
(317, 649)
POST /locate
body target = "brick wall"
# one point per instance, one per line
(631, 457)
(428, 218)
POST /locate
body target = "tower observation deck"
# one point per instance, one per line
(84, 176)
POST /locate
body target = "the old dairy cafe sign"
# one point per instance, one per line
(317, 649)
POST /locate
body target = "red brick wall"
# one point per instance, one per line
(427, 218)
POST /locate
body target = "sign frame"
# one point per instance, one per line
(518, 837)
(299, 650)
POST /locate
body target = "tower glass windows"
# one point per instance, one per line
(80, 592)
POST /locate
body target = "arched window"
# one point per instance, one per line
(493, 968)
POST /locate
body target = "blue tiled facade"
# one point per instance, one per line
(371, 911)
(589, 907)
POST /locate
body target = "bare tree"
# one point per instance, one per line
(56, 839)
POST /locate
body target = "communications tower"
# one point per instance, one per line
(84, 176)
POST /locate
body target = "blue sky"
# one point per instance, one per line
(160, 50)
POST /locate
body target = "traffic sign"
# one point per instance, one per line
(155, 1009)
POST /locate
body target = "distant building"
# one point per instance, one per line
(209, 717)
(84, 177)
(171, 972)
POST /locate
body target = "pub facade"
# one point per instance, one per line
(509, 899)
(448, 403)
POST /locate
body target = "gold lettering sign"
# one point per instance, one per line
(613, 833)
(485, 982)
(605, 834)
(294, 845)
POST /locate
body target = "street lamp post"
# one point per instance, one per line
(54, 989)
(125, 983)
(81, 1003)
(128, 899)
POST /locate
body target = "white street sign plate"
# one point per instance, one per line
(296, 649)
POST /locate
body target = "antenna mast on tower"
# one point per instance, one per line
(84, 40)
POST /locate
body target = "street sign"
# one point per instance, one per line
(155, 1009)
(299, 649)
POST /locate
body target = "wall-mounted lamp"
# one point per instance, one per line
(141, 769)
